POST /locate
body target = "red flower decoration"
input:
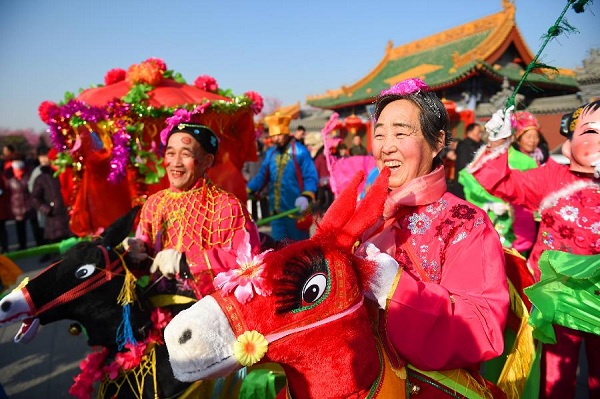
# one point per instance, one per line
(445, 229)
(257, 101)
(132, 358)
(462, 211)
(46, 110)
(547, 220)
(566, 231)
(159, 63)
(206, 82)
(91, 371)
(160, 318)
(114, 75)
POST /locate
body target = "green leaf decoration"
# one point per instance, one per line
(179, 78)
(62, 161)
(137, 93)
(76, 121)
(579, 6)
(561, 26)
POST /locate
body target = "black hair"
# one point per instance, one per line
(471, 126)
(570, 122)
(433, 116)
(300, 127)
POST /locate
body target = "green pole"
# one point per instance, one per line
(553, 31)
(44, 249)
(264, 221)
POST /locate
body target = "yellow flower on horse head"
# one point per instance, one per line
(250, 347)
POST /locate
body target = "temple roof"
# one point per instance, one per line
(292, 110)
(444, 59)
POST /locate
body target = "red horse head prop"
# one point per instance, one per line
(301, 306)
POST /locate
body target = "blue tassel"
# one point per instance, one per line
(124, 331)
(218, 389)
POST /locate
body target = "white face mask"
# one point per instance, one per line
(584, 147)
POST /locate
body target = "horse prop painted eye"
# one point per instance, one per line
(314, 288)
(84, 271)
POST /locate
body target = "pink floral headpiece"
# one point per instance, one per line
(412, 86)
(408, 86)
(522, 122)
(181, 115)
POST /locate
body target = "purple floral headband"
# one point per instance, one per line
(412, 86)
(180, 116)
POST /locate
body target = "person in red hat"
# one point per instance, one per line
(528, 138)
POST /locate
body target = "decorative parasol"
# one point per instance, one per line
(107, 138)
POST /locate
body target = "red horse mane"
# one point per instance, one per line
(342, 226)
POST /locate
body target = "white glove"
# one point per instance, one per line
(136, 248)
(596, 165)
(499, 127)
(499, 208)
(167, 261)
(302, 203)
(385, 273)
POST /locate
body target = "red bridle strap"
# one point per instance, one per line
(86, 286)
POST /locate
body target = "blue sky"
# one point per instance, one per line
(283, 50)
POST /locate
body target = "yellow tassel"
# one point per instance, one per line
(520, 358)
(127, 294)
(22, 284)
(401, 372)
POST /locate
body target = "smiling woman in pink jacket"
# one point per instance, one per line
(443, 297)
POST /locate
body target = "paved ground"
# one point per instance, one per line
(44, 368)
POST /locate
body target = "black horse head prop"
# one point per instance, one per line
(77, 288)
(93, 284)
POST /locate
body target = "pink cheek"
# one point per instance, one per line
(166, 163)
(584, 148)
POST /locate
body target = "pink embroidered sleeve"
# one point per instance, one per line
(515, 186)
(460, 321)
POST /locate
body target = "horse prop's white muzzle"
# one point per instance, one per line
(14, 308)
(200, 342)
